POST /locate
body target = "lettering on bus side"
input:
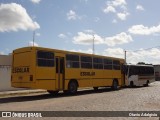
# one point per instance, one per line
(20, 70)
(87, 73)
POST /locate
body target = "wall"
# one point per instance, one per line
(5, 73)
(5, 60)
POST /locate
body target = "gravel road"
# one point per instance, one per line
(126, 99)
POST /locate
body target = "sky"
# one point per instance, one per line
(115, 25)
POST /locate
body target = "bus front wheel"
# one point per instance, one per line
(131, 84)
(72, 87)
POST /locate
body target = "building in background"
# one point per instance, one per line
(5, 73)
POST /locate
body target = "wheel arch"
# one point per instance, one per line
(115, 79)
(73, 80)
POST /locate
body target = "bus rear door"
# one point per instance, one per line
(60, 73)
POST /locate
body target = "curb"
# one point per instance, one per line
(20, 92)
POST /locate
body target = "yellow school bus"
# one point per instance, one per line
(58, 70)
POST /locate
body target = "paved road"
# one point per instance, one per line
(127, 99)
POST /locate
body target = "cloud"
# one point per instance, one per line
(97, 19)
(122, 16)
(118, 39)
(147, 56)
(86, 1)
(115, 6)
(114, 21)
(89, 31)
(143, 30)
(14, 17)
(1, 53)
(31, 43)
(119, 2)
(87, 39)
(139, 7)
(109, 9)
(116, 3)
(114, 52)
(71, 15)
(35, 1)
(62, 36)
(89, 51)
(38, 34)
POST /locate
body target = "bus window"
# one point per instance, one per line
(116, 65)
(86, 62)
(108, 64)
(45, 59)
(72, 61)
(97, 63)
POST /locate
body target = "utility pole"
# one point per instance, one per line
(93, 43)
(33, 37)
(125, 56)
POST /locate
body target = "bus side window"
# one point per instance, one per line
(116, 65)
(86, 62)
(57, 66)
(45, 59)
(68, 64)
(72, 61)
(97, 63)
(108, 64)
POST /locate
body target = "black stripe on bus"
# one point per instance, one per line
(81, 78)
(45, 79)
(94, 78)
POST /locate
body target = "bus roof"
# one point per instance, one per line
(70, 52)
(145, 65)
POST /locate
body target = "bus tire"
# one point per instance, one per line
(51, 92)
(131, 84)
(95, 88)
(146, 85)
(115, 85)
(65, 91)
(72, 87)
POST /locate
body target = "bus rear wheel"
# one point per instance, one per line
(95, 88)
(145, 85)
(72, 87)
(52, 92)
(115, 85)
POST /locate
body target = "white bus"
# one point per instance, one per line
(157, 72)
(138, 75)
